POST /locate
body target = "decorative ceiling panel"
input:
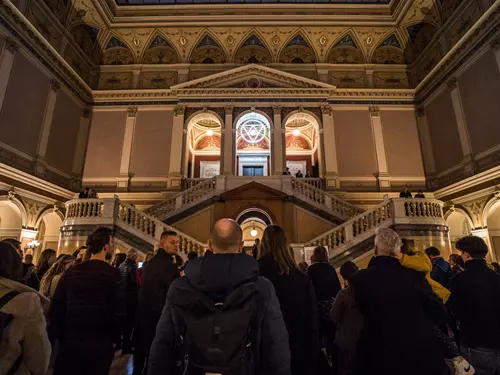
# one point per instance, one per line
(173, 2)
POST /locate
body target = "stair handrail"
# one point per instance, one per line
(387, 213)
(183, 198)
(319, 196)
(113, 211)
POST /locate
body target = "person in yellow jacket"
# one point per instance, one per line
(419, 261)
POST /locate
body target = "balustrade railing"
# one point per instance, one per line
(187, 197)
(304, 189)
(316, 182)
(188, 183)
(388, 213)
(127, 217)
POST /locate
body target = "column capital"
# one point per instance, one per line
(11, 46)
(131, 111)
(374, 111)
(420, 112)
(86, 112)
(179, 111)
(229, 110)
(277, 110)
(326, 110)
(54, 85)
(452, 84)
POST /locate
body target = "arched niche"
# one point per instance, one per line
(117, 53)
(160, 51)
(253, 51)
(297, 51)
(11, 220)
(460, 225)
(389, 52)
(208, 51)
(48, 230)
(345, 51)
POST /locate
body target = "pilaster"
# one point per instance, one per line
(128, 141)
(279, 144)
(174, 170)
(46, 126)
(81, 141)
(136, 76)
(370, 81)
(228, 144)
(6, 63)
(378, 140)
(327, 141)
(182, 75)
(323, 75)
(463, 132)
(425, 142)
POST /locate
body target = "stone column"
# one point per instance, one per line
(128, 141)
(6, 63)
(279, 146)
(185, 153)
(370, 81)
(81, 142)
(46, 125)
(174, 170)
(378, 140)
(425, 142)
(462, 126)
(327, 138)
(228, 144)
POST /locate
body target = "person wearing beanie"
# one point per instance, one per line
(475, 302)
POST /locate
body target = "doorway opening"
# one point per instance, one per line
(253, 145)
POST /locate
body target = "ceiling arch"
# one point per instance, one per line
(117, 53)
(160, 51)
(208, 50)
(298, 50)
(345, 50)
(389, 51)
(253, 50)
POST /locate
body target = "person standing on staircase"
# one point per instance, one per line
(156, 278)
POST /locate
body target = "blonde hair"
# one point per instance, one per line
(387, 242)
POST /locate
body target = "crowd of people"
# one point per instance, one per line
(409, 312)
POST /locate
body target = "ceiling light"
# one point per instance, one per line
(296, 132)
(253, 232)
(210, 133)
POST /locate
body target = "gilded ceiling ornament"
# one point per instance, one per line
(323, 40)
(369, 40)
(183, 40)
(276, 40)
(136, 42)
(229, 40)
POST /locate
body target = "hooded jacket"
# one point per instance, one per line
(421, 262)
(216, 276)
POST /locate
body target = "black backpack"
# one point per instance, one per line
(5, 320)
(216, 337)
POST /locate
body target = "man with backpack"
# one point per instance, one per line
(221, 318)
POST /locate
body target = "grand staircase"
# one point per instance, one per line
(351, 240)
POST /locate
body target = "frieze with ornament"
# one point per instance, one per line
(422, 10)
(391, 80)
(209, 143)
(158, 80)
(43, 25)
(297, 143)
(349, 79)
(263, 144)
(475, 210)
(463, 23)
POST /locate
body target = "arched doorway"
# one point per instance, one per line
(253, 222)
(493, 224)
(11, 222)
(253, 151)
(460, 225)
(302, 144)
(203, 146)
(48, 231)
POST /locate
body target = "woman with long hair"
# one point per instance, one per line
(119, 259)
(51, 278)
(296, 296)
(46, 260)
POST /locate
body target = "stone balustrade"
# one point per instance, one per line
(393, 212)
(115, 213)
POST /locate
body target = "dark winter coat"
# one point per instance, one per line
(399, 311)
(325, 281)
(441, 272)
(298, 305)
(156, 278)
(475, 302)
(128, 270)
(217, 276)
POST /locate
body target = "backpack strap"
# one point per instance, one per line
(7, 298)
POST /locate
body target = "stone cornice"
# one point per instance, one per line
(13, 23)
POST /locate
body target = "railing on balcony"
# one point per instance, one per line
(113, 212)
(303, 189)
(390, 212)
(318, 183)
(200, 190)
(188, 183)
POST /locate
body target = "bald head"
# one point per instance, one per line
(226, 237)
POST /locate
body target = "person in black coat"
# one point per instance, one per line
(475, 302)
(296, 296)
(156, 278)
(215, 277)
(128, 270)
(399, 312)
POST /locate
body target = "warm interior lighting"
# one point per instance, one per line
(210, 133)
(253, 232)
(296, 132)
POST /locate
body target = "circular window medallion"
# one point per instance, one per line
(253, 131)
